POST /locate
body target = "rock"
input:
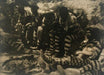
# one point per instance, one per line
(71, 71)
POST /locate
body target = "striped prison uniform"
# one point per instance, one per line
(73, 39)
(56, 36)
(13, 44)
(94, 68)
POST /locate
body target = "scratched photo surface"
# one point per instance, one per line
(51, 37)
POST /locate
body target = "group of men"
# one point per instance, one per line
(63, 32)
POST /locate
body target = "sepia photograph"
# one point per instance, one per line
(51, 37)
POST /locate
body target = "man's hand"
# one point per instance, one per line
(86, 51)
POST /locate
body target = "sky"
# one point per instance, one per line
(87, 5)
